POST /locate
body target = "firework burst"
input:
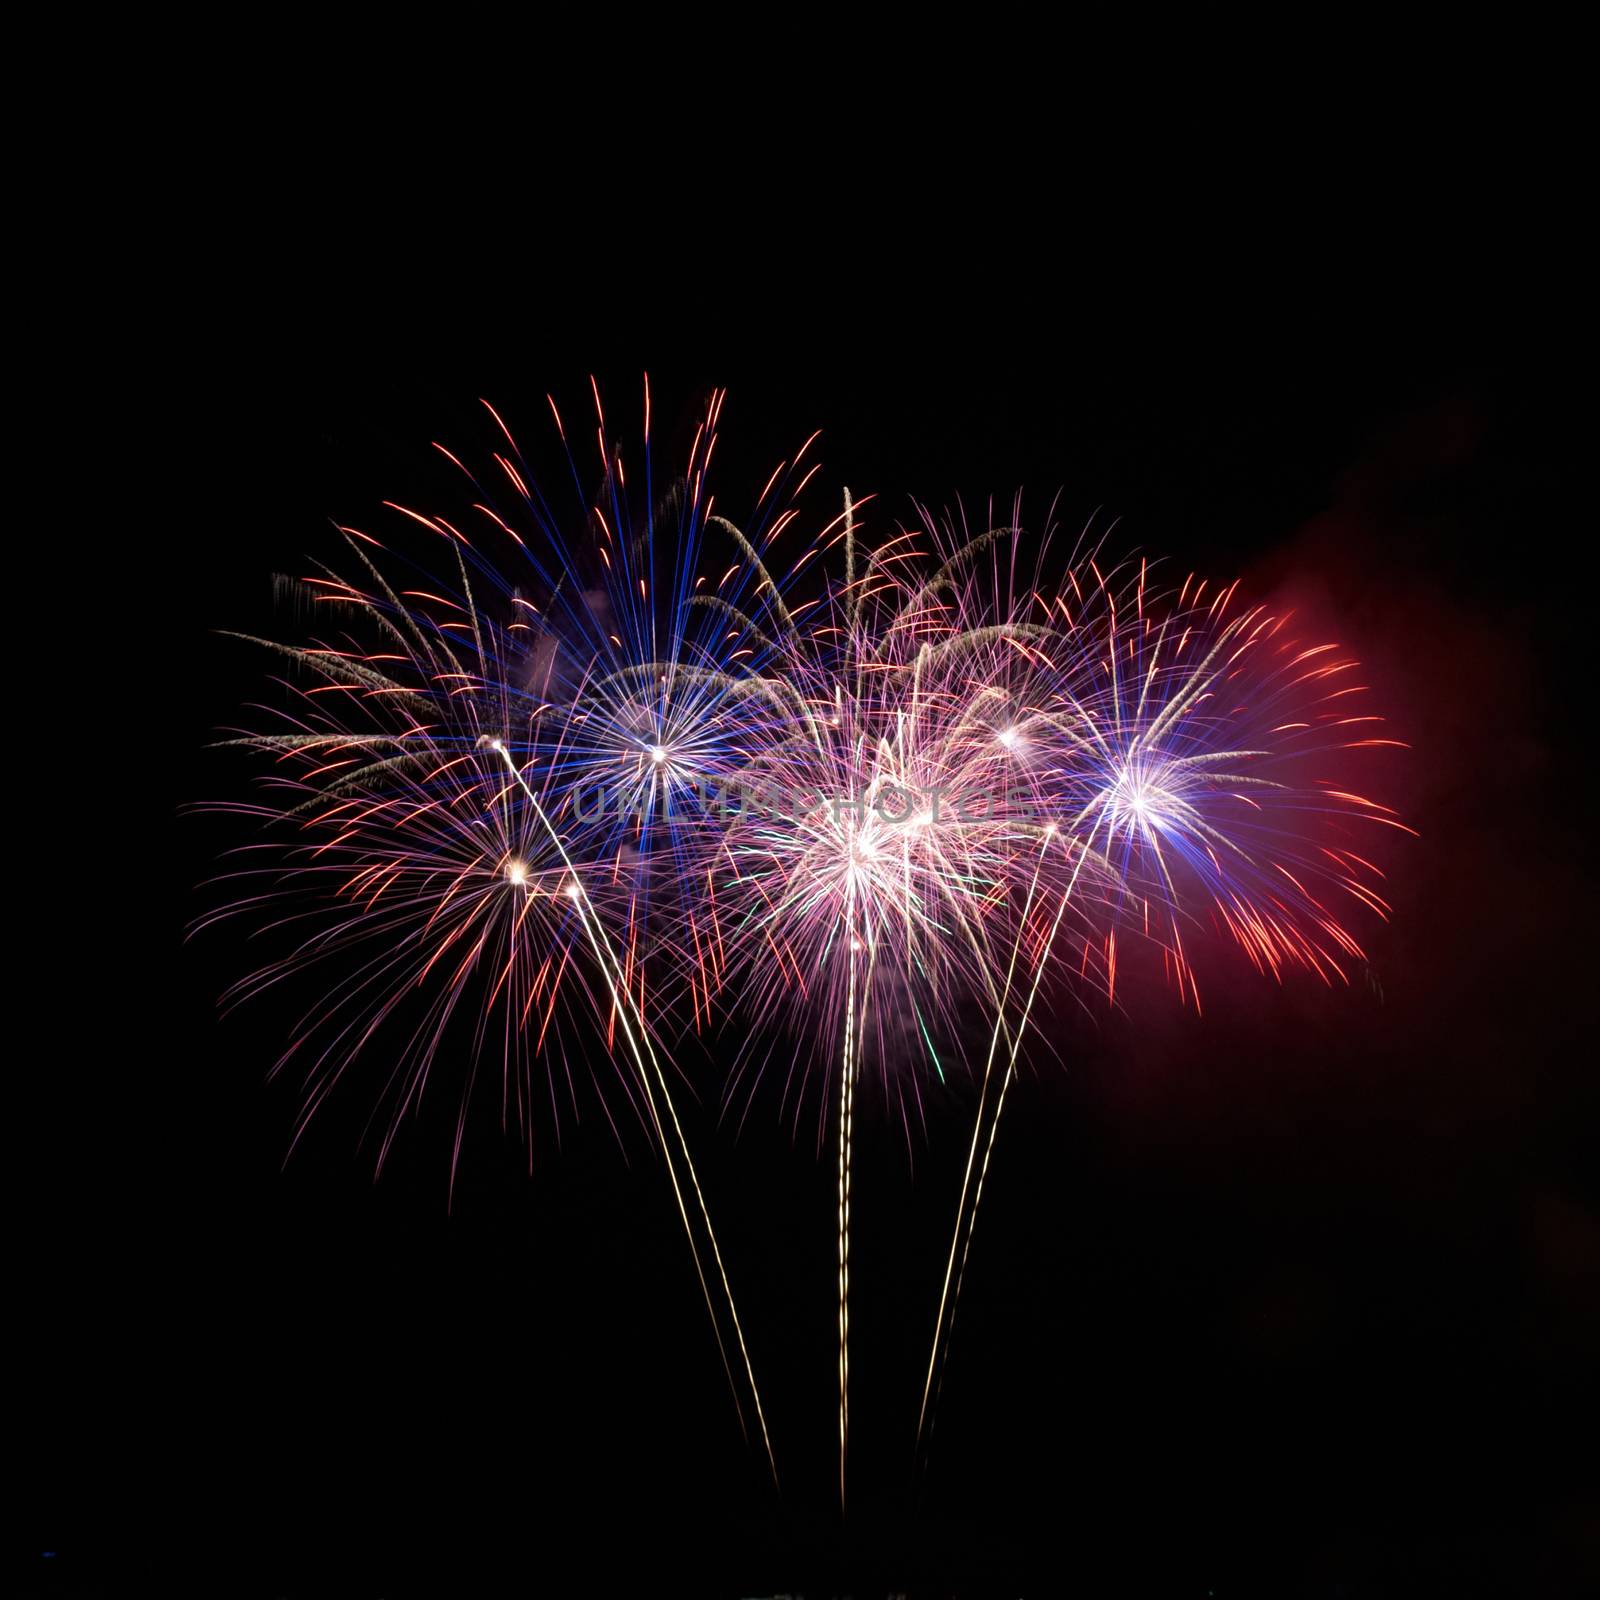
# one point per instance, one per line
(880, 866)
(426, 840)
(1183, 774)
(671, 769)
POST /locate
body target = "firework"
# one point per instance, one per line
(1185, 770)
(672, 769)
(425, 832)
(876, 868)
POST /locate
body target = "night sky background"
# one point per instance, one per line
(1294, 1298)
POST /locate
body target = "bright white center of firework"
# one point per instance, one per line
(658, 753)
(571, 891)
(860, 862)
(855, 944)
(1138, 798)
(516, 873)
(1009, 737)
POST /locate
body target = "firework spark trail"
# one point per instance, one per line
(614, 978)
(435, 871)
(943, 1327)
(966, 1177)
(876, 893)
(846, 1111)
(1158, 775)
